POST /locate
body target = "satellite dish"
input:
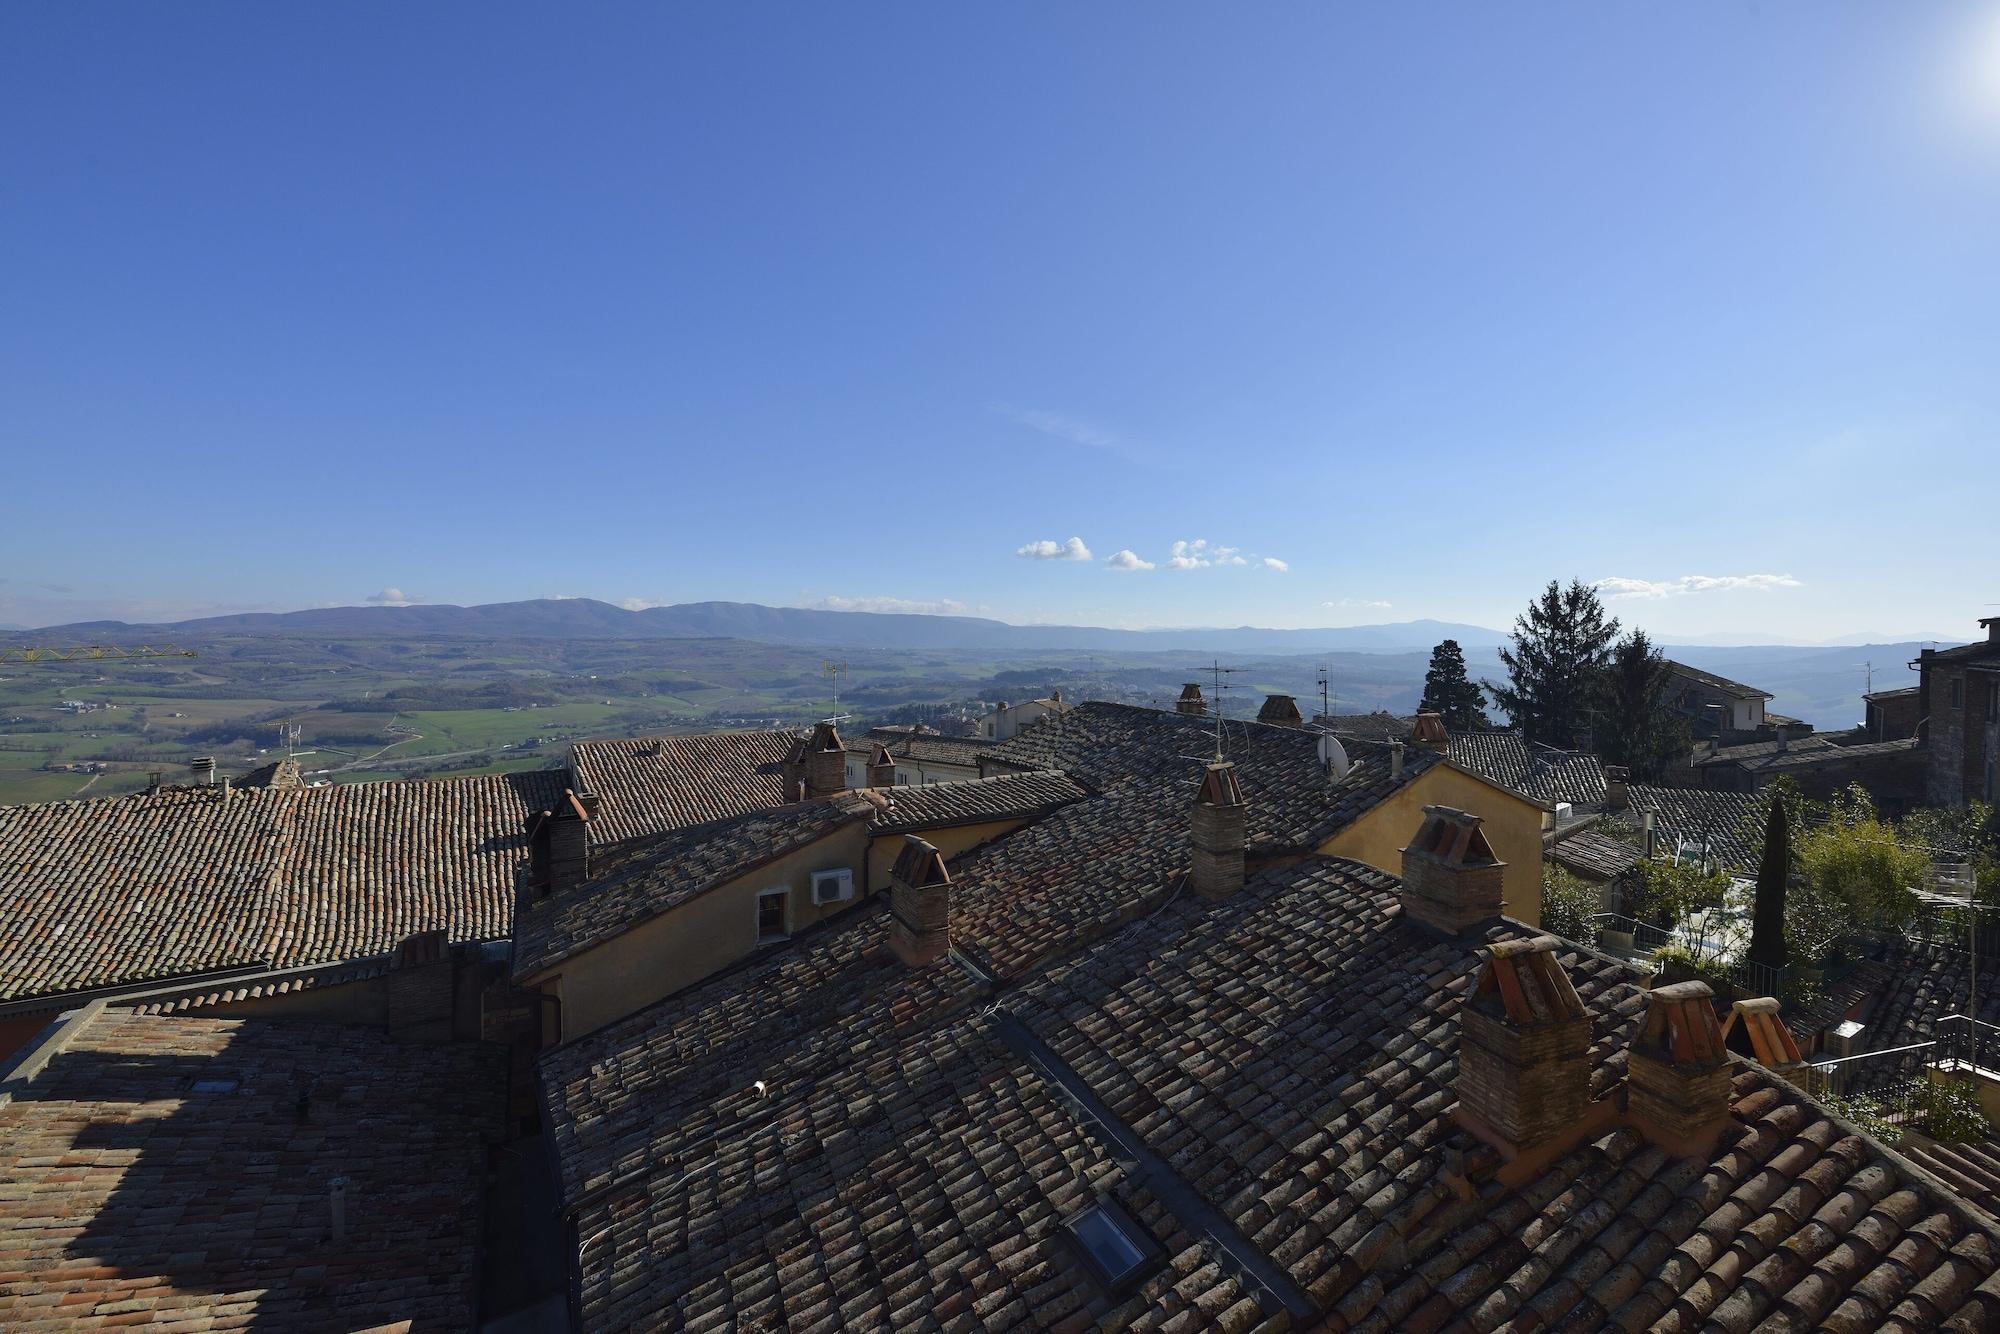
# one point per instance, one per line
(1333, 755)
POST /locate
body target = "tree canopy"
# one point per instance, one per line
(1448, 691)
(1636, 722)
(1561, 646)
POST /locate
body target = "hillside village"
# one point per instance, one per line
(1102, 1016)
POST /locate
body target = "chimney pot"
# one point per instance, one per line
(919, 904)
(881, 768)
(1677, 1073)
(1524, 1044)
(568, 832)
(826, 763)
(204, 769)
(1281, 711)
(1452, 882)
(1396, 760)
(1191, 702)
(1217, 833)
(1617, 787)
(1760, 1032)
(1430, 733)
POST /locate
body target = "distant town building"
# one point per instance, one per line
(1959, 719)
(1008, 719)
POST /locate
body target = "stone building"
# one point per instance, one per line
(1958, 708)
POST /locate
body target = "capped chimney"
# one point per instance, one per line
(1281, 711)
(1430, 733)
(792, 770)
(1396, 761)
(1677, 1073)
(1991, 625)
(1617, 787)
(203, 768)
(881, 768)
(1524, 1049)
(919, 904)
(826, 762)
(1191, 702)
(1756, 1029)
(1216, 833)
(1451, 879)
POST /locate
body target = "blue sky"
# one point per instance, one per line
(848, 305)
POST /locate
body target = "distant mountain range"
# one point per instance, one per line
(586, 618)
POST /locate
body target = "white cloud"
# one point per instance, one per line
(1190, 555)
(1048, 549)
(1063, 427)
(392, 597)
(912, 606)
(1273, 563)
(1619, 586)
(1127, 560)
(1372, 604)
(1199, 554)
(642, 604)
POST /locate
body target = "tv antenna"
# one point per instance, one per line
(832, 671)
(1869, 669)
(1325, 682)
(288, 737)
(1216, 672)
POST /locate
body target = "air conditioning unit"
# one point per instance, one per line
(833, 886)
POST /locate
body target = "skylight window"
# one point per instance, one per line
(1116, 1250)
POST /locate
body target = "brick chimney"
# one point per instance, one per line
(1451, 879)
(1281, 711)
(881, 768)
(792, 771)
(1756, 1029)
(1430, 733)
(1523, 1050)
(1191, 702)
(568, 844)
(1216, 833)
(919, 905)
(1617, 787)
(826, 762)
(1677, 1074)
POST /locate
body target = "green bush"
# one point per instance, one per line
(1949, 1109)
(1567, 904)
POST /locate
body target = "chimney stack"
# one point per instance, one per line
(567, 829)
(1677, 1073)
(1647, 833)
(1216, 833)
(1430, 733)
(792, 771)
(1451, 879)
(1191, 702)
(826, 763)
(203, 767)
(1761, 1034)
(1524, 1049)
(881, 768)
(1395, 761)
(919, 904)
(1617, 787)
(1991, 624)
(1281, 711)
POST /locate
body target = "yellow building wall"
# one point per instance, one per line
(704, 935)
(1512, 825)
(949, 843)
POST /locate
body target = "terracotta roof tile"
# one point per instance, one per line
(654, 784)
(1538, 772)
(974, 800)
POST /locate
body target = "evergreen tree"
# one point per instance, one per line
(1636, 724)
(1767, 928)
(1562, 644)
(1449, 691)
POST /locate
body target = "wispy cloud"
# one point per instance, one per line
(911, 606)
(1199, 554)
(392, 597)
(1065, 427)
(1273, 563)
(1127, 559)
(1371, 604)
(643, 604)
(1049, 549)
(1619, 586)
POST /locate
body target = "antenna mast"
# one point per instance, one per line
(1325, 681)
(832, 670)
(1217, 671)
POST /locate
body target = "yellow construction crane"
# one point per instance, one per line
(89, 652)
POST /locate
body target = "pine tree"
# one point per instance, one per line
(1450, 693)
(1561, 646)
(1637, 726)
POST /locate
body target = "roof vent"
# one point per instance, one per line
(1524, 1043)
(1452, 882)
(203, 767)
(1677, 1074)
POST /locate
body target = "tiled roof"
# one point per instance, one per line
(1718, 683)
(1539, 773)
(973, 800)
(922, 747)
(1730, 824)
(654, 784)
(1978, 650)
(156, 885)
(135, 1194)
(1594, 856)
(1156, 757)
(1264, 1084)
(1917, 984)
(1756, 754)
(634, 881)
(1367, 726)
(1868, 750)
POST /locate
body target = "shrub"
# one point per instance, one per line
(1567, 904)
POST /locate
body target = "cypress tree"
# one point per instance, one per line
(1767, 928)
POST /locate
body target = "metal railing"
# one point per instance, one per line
(1961, 1042)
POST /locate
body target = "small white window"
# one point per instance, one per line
(772, 914)
(836, 886)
